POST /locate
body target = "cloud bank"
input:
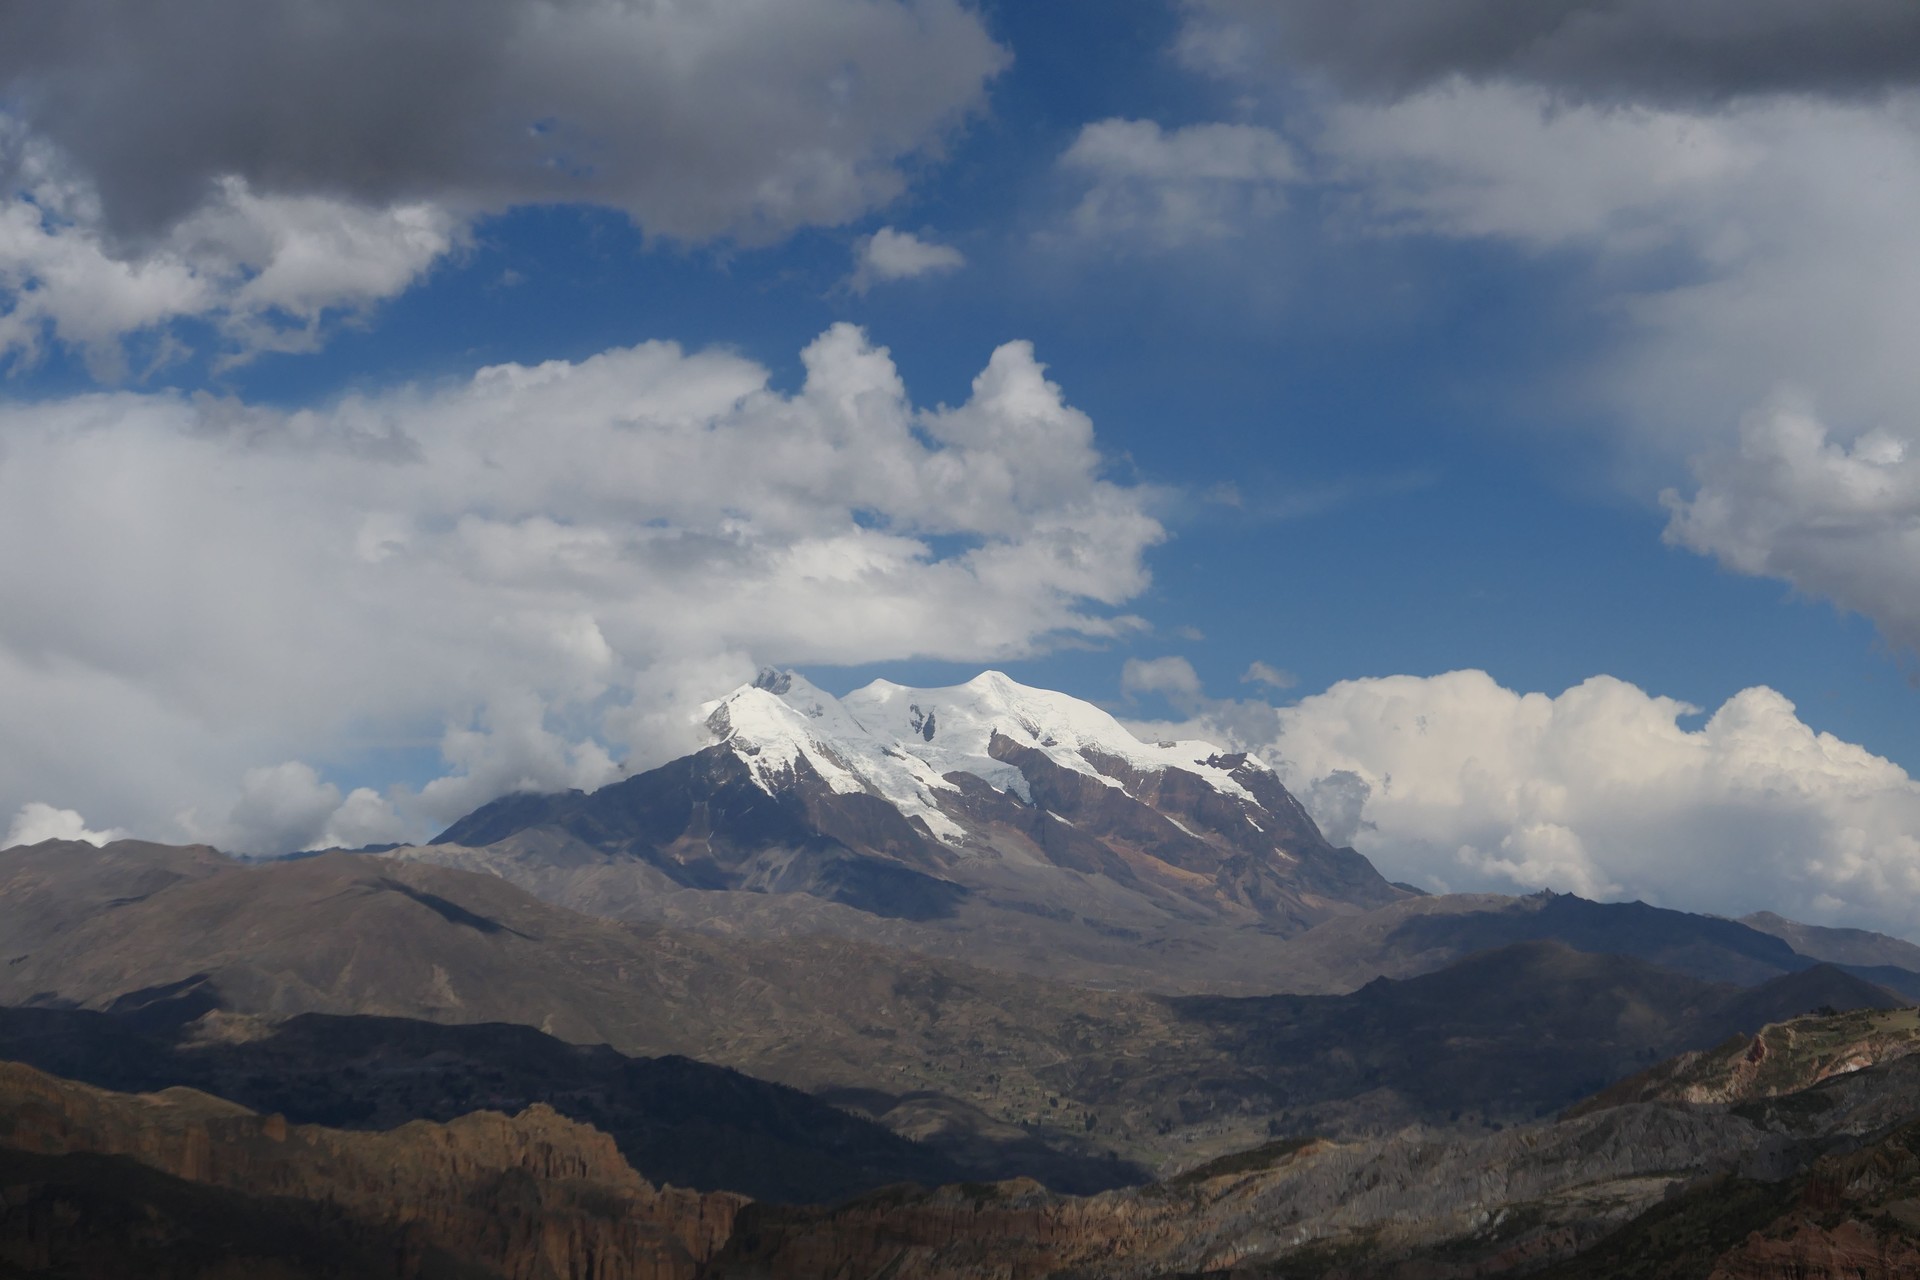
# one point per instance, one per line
(535, 573)
(1455, 782)
(262, 163)
(1600, 50)
(1722, 191)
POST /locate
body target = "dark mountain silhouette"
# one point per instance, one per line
(1421, 935)
(675, 1120)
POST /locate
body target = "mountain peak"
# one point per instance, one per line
(904, 744)
(782, 725)
(773, 680)
(902, 801)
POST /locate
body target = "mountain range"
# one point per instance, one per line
(1809, 1169)
(989, 816)
(921, 936)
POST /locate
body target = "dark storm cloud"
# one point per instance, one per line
(745, 118)
(1661, 50)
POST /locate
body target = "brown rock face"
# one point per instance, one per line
(531, 1197)
(1252, 861)
(1857, 1217)
(1011, 1230)
(1850, 1250)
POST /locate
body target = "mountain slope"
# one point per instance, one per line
(1014, 826)
(1818, 1184)
(900, 802)
(1002, 1073)
(1423, 934)
(1502, 1036)
(675, 1120)
(1781, 1058)
(1838, 946)
(532, 1195)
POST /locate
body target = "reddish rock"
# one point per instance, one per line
(533, 1197)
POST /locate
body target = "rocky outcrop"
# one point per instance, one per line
(1856, 1216)
(675, 1120)
(1850, 1250)
(529, 1197)
(1518, 1198)
(1781, 1058)
(1661, 1190)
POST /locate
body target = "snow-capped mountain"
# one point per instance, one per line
(931, 804)
(900, 744)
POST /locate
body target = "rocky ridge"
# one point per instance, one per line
(674, 1120)
(999, 1073)
(1821, 1182)
(1782, 1058)
(531, 1197)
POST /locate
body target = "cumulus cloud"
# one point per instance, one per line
(1736, 251)
(1725, 186)
(889, 255)
(1603, 50)
(1838, 519)
(1457, 784)
(1740, 253)
(731, 118)
(540, 569)
(37, 821)
(262, 163)
(288, 806)
(267, 270)
(1176, 186)
(1454, 781)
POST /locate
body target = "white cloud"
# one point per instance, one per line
(245, 163)
(1739, 248)
(1739, 252)
(37, 821)
(888, 255)
(1173, 677)
(1176, 186)
(288, 806)
(1735, 216)
(1265, 673)
(1453, 781)
(1504, 162)
(1836, 519)
(542, 569)
(267, 270)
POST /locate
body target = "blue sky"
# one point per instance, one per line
(1372, 355)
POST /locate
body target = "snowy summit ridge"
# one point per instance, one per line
(900, 743)
(989, 799)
